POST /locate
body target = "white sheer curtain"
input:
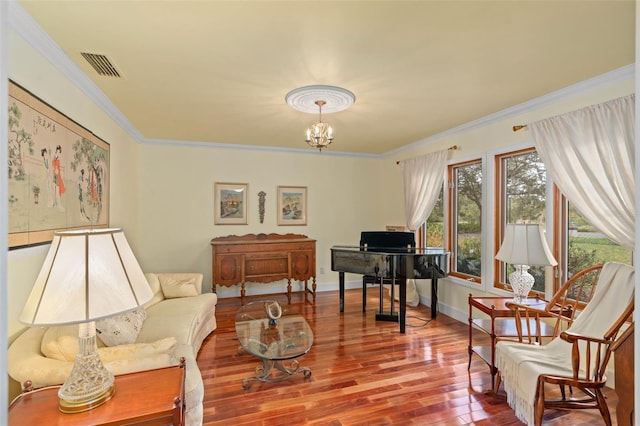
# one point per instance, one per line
(422, 179)
(589, 153)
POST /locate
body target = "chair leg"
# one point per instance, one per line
(539, 403)
(496, 387)
(602, 406)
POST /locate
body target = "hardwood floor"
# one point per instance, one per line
(364, 373)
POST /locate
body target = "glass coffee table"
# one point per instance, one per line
(276, 338)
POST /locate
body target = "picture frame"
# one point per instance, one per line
(292, 205)
(59, 172)
(230, 203)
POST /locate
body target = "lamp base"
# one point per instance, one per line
(70, 407)
(521, 283)
(90, 384)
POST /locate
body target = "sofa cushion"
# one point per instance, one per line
(180, 317)
(177, 285)
(122, 329)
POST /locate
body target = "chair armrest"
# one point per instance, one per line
(575, 338)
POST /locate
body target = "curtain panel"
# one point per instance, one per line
(422, 179)
(589, 153)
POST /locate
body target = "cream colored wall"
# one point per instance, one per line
(29, 69)
(345, 196)
(490, 138)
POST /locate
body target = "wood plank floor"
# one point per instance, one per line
(364, 373)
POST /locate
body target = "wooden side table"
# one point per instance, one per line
(150, 398)
(497, 321)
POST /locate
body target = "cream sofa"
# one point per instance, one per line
(173, 324)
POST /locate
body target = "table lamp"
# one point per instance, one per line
(524, 245)
(87, 275)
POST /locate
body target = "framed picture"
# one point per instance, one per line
(230, 203)
(292, 205)
(58, 172)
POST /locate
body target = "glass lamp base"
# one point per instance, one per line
(89, 404)
(90, 384)
(521, 282)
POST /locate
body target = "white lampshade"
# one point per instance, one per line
(525, 244)
(87, 275)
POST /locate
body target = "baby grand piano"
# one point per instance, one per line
(391, 255)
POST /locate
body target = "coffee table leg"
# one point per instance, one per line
(263, 371)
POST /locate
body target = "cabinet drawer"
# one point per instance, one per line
(267, 265)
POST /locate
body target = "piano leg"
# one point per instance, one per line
(341, 281)
(434, 296)
(403, 305)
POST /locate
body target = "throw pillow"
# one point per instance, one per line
(138, 350)
(60, 342)
(122, 329)
(176, 286)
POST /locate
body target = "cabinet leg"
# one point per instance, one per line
(289, 291)
(243, 292)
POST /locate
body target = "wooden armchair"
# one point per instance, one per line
(570, 299)
(578, 357)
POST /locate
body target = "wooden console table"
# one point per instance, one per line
(152, 397)
(264, 258)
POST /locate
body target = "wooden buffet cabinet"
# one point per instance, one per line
(264, 258)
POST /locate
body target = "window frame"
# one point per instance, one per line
(552, 216)
(450, 203)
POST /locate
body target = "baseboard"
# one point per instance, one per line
(448, 310)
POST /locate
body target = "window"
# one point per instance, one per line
(465, 212)
(583, 245)
(521, 189)
(433, 228)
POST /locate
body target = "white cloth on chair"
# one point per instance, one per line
(520, 364)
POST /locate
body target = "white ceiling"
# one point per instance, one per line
(218, 71)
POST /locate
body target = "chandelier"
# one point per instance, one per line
(319, 98)
(319, 135)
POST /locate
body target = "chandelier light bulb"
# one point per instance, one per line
(320, 134)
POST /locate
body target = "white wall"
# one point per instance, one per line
(4, 172)
(345, 195)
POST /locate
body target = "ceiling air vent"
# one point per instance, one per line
(101, 64)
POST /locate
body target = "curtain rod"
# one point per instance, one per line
(451, 148)
(519, 127)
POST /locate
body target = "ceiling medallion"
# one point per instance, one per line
(320, 98)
